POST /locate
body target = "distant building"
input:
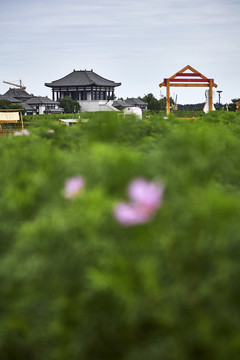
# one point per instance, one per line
(30, 110)
(9, 98)
(92, 91)
(137, 102)
(130, 102)
(19, 94)
(32, 104)
(44, 105)
(120, 104)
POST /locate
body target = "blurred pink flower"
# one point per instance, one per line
(73, 186)
(146, 192)
(23, 132)
(51, 131)
(146, 198)
(131, 214)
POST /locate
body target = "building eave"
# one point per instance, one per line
(82, 78)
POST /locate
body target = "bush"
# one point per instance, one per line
(77, 284)
(69, 105)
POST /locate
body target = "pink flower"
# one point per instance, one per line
(146, 198)
(145, 192)
(51, 131)
(73, 186)
(23, 132)
(132, 214)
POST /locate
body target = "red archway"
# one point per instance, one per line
(188, 79)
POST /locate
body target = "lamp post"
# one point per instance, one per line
(219, 95)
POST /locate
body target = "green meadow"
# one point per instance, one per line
(77, 283)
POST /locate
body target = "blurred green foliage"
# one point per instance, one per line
(75, 284)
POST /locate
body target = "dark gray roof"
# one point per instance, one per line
(17, 93)
(120, 104)
(82, 78)
(39, 100)
(9, 98)
(27, 106)
(135, 101)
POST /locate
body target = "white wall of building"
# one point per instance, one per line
(96, 105)
(41, 109)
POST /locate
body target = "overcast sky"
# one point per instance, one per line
(135, 42)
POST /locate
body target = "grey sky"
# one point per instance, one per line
(136, 42)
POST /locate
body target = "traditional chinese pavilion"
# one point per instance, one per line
(92, 91)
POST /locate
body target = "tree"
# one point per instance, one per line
(6, 104)
(69, 105)
(232, 106)
(155, 104)
(151, 101)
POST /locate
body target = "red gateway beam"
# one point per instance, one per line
(189, 74)
(188, 80)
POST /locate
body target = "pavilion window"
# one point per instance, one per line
(83, 95)
(74, 95)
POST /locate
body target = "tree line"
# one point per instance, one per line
(72, 106)
(156, 105)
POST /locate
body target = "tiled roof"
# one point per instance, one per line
(120, 104)
(39, 100)
(82, 78)
(17, 93)
(27, 106)
(135, 101)
(9, 98)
